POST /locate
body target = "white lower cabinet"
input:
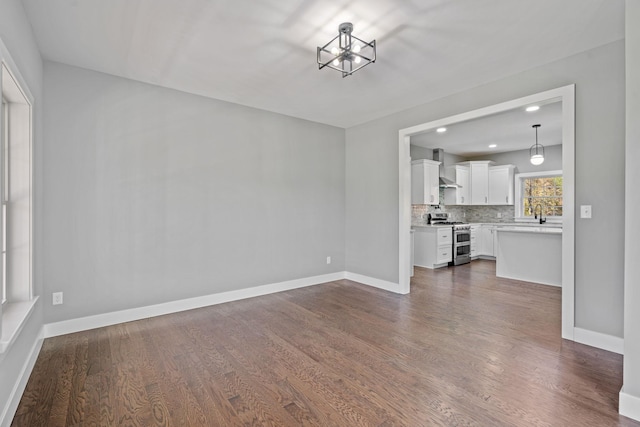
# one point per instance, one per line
(475, 232)
(433, 246)
(486, 243)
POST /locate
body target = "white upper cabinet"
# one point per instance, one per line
(458, 196)
(501, 184)
(488, 184)
(425, 182)
(479, 173)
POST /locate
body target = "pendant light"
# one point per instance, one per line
(536, 152)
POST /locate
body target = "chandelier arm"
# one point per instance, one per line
(331, 41)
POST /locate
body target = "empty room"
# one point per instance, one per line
(382, 213)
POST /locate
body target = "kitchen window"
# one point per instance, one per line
(539, 193)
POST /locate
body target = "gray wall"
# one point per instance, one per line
(372, 177)
(154, 195)
(632, 253)
(15, 32)
(417, 153)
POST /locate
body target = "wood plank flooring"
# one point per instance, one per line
(463, 349)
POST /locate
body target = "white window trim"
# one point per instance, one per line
(519, 182)
(14, 314)
(3, 140)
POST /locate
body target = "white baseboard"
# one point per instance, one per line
(598, 340)
(376, 283)
(113, 318)
(629, 405)
(8, 412)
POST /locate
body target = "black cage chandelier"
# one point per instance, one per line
(346, 53)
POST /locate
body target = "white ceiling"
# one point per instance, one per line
(262, 53)
(510, 131)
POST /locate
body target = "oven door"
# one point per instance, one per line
(461, 253)
(461, 236)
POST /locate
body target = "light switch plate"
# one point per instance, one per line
(585, 211)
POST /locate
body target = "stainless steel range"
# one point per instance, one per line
(461, 237)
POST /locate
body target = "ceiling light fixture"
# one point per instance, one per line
(536, 151)
(493, 145)
(345, 52)
(532, 108)
(441, 130)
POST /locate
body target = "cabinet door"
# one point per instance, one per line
(463, 193)
(486, 240)
(433, 173)
(458, 196)
(445, 245)
(475, 230)
(479, 184)
(444, 254)
(425, 183)
(445, 236)
(501, 185)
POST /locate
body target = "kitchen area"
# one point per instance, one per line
(496, 205)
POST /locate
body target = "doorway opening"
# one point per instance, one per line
(566, 96)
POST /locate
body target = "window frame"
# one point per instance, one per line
(519, 201)
(21, 300)
(4, 181)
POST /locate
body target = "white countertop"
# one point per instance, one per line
(512, 226)
(529, 229)
(521, 224)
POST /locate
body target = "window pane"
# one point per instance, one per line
(542, 195)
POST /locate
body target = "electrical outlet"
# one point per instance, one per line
(57, 298)
(499, 215)
(328, 260)
(585, 211)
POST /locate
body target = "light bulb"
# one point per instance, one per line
(537, 159)
(336, 62)
(356, 49)
(335, 51)
(358, 60)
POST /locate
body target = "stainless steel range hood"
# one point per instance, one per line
(438, 156)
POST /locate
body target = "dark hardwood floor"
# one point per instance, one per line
(463, 349)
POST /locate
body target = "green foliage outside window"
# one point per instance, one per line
(542, 194)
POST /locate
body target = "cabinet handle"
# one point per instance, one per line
(506, 199)
(485, 199)
(462, 197)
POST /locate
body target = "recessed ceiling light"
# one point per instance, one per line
(441, 130)
(493, 145)
(532, 108)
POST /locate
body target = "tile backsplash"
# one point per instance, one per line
(465, 213)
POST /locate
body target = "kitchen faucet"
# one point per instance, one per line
(535, 215)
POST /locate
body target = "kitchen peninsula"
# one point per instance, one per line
(532, 254)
